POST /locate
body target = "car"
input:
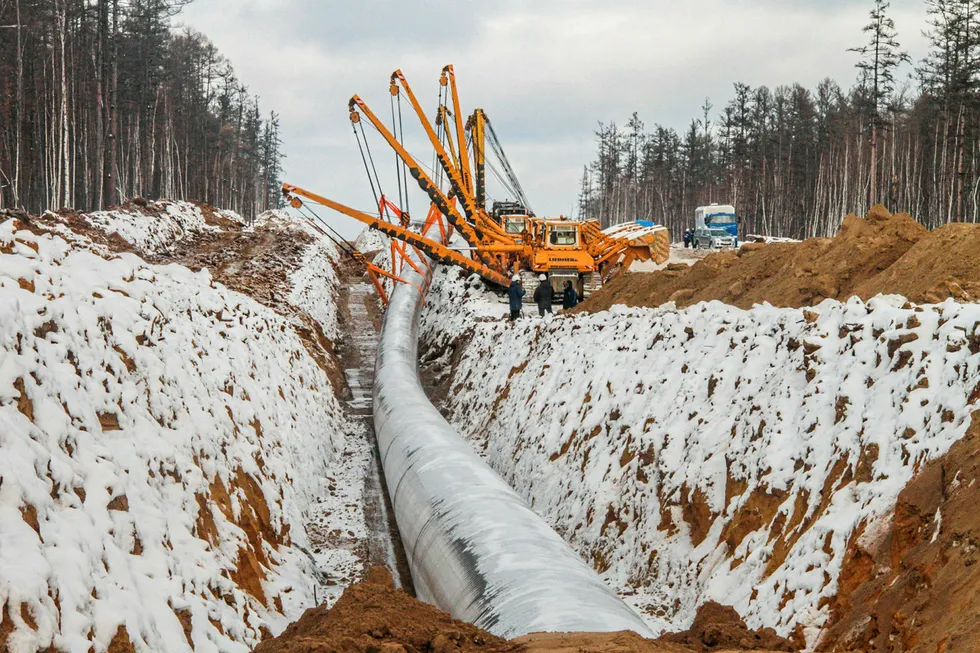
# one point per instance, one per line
(713, 238)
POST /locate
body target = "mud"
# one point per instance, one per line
(880, 253)
(375, 617)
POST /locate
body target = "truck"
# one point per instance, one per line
(715, 226)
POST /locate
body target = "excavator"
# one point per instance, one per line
(505, 239)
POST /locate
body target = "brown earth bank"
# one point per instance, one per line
(913, 588)
(880, 253)
(374, 617)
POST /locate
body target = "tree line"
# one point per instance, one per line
(102, 101)
(795, 160)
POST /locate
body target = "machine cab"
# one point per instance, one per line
(563, 233)
(515, 225)
(514, 217)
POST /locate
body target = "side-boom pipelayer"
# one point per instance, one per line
(432, 248)
(501, 244)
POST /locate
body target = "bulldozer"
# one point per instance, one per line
(501, 240)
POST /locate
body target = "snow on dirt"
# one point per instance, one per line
(315, 285)
(173, 221)
(164, 442)
(371, 240)
(710, 453)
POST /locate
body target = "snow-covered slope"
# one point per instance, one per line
(159, 224)
(163, 443)
(711, 453)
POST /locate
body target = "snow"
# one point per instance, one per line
(315, 285)
(753, 238)
(371, 240)
(172, 438)
(172, 222)
(711, 453)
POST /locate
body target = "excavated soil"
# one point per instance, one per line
(257, 263)
(719, 627)
(880, 253)
(913, 587)
(374, 617)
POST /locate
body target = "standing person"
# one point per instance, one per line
(542, 295)
(515, 294)
(688, 238)
(569, 297)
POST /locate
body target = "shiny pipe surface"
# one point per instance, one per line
(475, 549)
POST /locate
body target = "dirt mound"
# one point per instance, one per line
(374, 617)
(621, 642)
(881, 253)
(946, 263)
(913, 587)
(719, 627)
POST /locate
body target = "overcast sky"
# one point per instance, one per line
(546, 72)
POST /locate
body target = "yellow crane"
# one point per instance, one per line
(506, 239)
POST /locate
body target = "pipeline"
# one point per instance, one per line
(474, 548)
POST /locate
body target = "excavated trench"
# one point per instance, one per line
(357, 355)
(475, 548)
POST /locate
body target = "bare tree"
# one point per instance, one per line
(879, 59)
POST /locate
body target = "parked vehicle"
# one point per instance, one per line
(713, 238)
(716, 225)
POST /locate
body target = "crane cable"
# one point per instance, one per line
(496, 173)
(336, 238)
(394, 123)
(367, 168)
(404, 166)
(508, 170)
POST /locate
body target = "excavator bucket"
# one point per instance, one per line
(656, 238)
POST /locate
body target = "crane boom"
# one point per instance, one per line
(445, 206)
(449, 76)
(447, 163)
(478, 132)
(432, 248)
(509, 240)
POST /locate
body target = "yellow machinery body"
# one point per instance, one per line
(499, 245)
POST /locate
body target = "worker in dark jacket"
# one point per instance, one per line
(569, 297)
(516, 295)
(542, 295)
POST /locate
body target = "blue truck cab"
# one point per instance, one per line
(715, 226)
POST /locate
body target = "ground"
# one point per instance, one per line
(375, 616)
(879, 254)
(178, 467)
(764, 454)
(767, 449)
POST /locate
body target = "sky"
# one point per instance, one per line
(546, 72)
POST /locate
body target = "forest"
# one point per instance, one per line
(103, 101)
(794, 160)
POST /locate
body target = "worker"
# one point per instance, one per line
(516, 295)
(569, 297)
(542, 295)
(688, 237)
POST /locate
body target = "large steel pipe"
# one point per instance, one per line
(475, 549)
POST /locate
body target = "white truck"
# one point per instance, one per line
(715, 226)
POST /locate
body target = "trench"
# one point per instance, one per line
(383, 546)
(475, 548)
